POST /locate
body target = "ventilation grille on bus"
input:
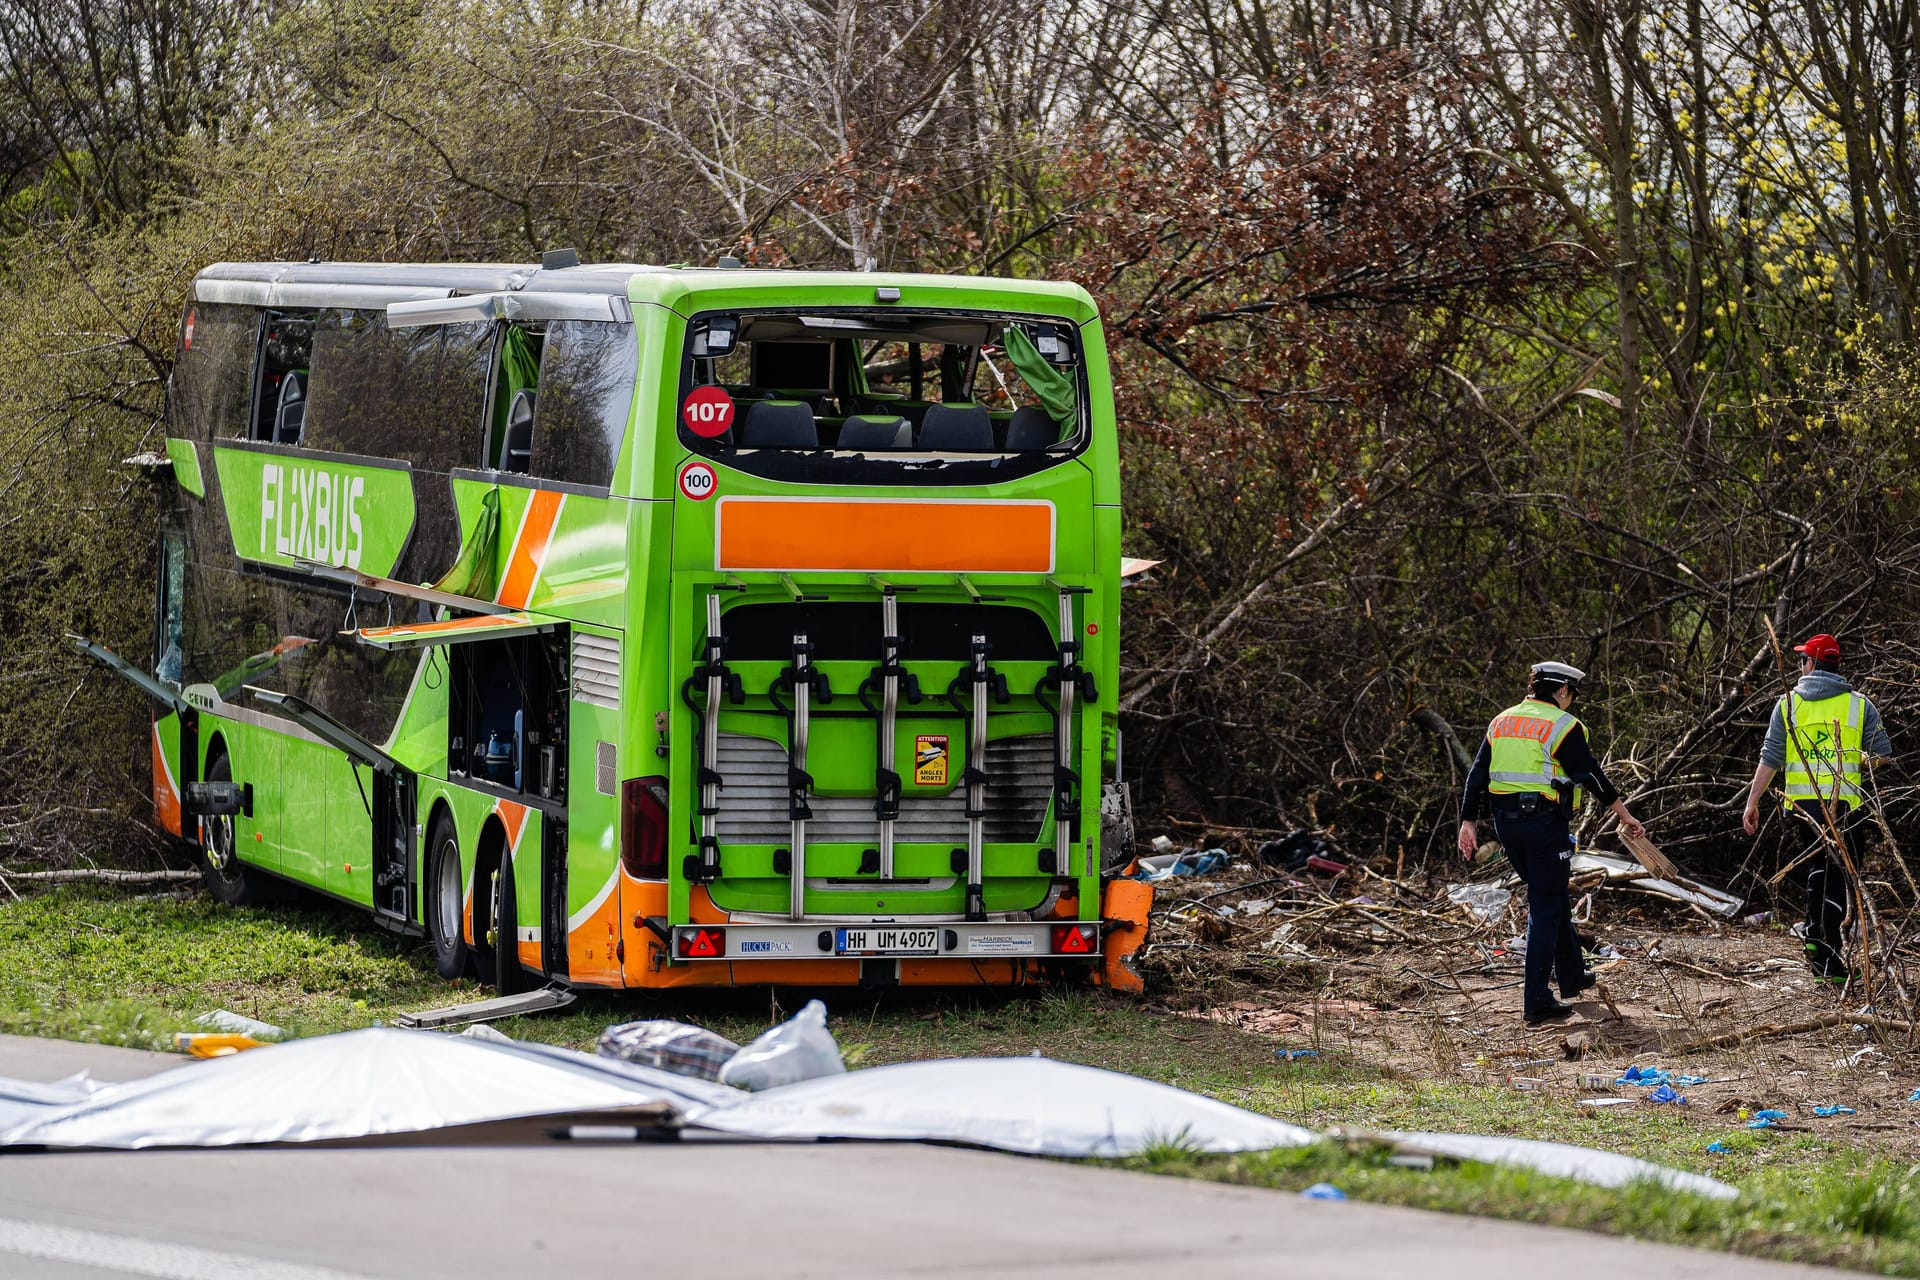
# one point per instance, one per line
(596, 669)
(753, 799)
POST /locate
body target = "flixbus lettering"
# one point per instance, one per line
(479, 664)
(312, 514)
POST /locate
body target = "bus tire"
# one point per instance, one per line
(228, 879)
(509, 977)
(446, 900)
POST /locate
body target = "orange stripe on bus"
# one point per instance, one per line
(931, 537)
(530, 548)
(514, 818)
(479, 622)
(166, 796)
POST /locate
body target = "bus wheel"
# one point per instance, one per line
(509, 977)
(228, 879)
(446, 900)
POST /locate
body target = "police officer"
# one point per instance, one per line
(1529, 770)
(1820, 734)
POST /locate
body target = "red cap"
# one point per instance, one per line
(1821, 648)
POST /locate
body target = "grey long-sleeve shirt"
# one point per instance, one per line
(1824, 684)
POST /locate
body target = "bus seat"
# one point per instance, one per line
(1031, 428)
(875, 431)
(957, 428)
(778, 424)
(291, 412)
(517, 456)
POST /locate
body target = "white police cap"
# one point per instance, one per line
(1559, 672)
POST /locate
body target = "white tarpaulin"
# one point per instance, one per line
(1558, 1160)
(22, 1100)
(358, 1084)
(1030, 1105)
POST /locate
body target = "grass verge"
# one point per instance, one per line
(93, 964)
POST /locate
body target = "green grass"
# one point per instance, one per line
(92, 964)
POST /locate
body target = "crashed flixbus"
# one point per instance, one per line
(641, 627)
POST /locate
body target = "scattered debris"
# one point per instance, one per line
(214, 1044)
(801, 1048)
(1166, 866)
(1608, 1102)
(1292, 852)
(228, 1020)
(1485, 902)
(1289, 1055)
(1323, 1191)
(1559, 1160)
(1766, 1119)
(1824, 1112)
(1726, 1040)
(1665, 1093)
(1719, 1149)
(1620, 873)
(669, 1046)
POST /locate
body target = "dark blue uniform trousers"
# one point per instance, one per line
(1540, 847)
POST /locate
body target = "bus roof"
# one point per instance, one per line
(375, 284)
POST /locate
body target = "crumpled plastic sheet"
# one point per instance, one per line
(1559, 1160)
(1035, 1106)
(357, 1084)
(22, 1100)
(1679, 889)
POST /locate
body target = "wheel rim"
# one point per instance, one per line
(216, 837)
(449, 892)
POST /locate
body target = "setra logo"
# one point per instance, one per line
(310, 514)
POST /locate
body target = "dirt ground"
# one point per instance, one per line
(1393, 974)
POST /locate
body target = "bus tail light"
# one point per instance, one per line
(1074, 939)
(643, 828)
(701, 944)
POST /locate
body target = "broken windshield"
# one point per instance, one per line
(883, 396)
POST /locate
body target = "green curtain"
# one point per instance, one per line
(1052, 387)
(473, 569)
(519, 370)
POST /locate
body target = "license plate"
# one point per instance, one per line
(887, 942)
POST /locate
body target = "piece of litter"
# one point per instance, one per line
(1914, 1096)
(1835, 1111)
(1559, 1160)
(1484, 902)
(1647, 1077)
(1256, 906)
(1765, 1119)
(239, 1024)
(1665, 1093)
(1289, 1055)
(1719, 1149)
(214, 1044)
(1324, 1191)
(1608, 1102)
(1857, 1057)
(1411, 1160)
(1684, 1081)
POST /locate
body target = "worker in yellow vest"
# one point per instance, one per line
(1821, 735)
(1529, 772)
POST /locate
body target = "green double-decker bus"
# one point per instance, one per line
(639, 627)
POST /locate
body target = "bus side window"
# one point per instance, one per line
(515, 383)
(412, 394)
(170, 605)
(280, 389)
(585, 400)
(212, 382)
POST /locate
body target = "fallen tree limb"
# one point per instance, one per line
(1774, 1030)
(97, 875)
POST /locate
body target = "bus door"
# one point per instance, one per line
(508, 736)
(386, 811)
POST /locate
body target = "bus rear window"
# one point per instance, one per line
(883, 396)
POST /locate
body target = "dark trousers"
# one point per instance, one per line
(1827, 894)
(1539, 846)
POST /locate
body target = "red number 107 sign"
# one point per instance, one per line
(708, 412)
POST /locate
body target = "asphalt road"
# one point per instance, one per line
(845, 1211)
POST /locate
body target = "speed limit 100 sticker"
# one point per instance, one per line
(697, 481)
(708, 412)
